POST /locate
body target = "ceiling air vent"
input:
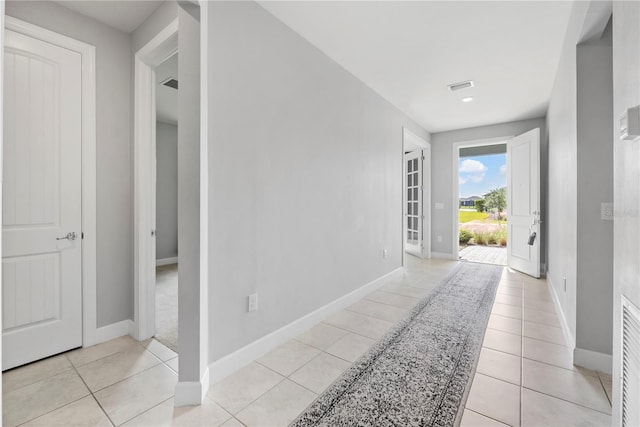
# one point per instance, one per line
(171, 82)
(460, 85)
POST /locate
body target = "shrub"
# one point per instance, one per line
(480, 238)
(465, 236)
(480, 205)
(492, 238)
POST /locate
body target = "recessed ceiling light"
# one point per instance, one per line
(467, 99)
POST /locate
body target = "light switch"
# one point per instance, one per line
(630, 124)
(439, 205)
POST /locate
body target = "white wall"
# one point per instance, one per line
(166, 190)
(626, 86)
(306, 177)
(442, 174)
(114, 203)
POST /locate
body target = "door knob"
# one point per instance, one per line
(69, 236)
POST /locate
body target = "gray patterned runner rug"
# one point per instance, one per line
(419, 373)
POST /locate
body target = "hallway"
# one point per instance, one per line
(524, 374)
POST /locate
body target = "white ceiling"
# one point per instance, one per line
(409, 51)
(166, 97)
(123, 15)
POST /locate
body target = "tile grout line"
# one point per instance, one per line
(565, 400)
(145, 411)
(92, 394)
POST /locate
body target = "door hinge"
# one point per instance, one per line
(82, 235)
(153, 232)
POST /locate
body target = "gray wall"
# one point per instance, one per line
(306, 177)
(562, 199)
(114, 171)
(442, 174)
(156, 22)
(166, 190)
(594, 305)
(580, 176)
(626, 73)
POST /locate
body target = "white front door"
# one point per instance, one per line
(523, 203)
(413, 222)
(41, 200)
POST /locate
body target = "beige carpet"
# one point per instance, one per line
(167, 305)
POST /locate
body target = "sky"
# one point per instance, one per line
(480, 174)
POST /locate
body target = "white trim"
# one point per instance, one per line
(2, 18)
(90, 331)
(192, 392)
(109, 332)
(161, 47)
(455, 190)
(593, 360)
(166, 261)
(568, 335)
(410, 138)
(245, 355)
(442, 255)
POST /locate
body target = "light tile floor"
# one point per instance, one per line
(524, 374)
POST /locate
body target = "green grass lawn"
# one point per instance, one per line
(467, 216)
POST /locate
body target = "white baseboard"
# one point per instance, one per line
(166, 261)
(245, 355)
(190, 393)
(442, 255)
(593, 360)
(109, 332)
(568, 335)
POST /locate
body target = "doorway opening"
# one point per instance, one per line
(166, 203)
(416, 223)
(482, 203)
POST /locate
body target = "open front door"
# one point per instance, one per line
(523, 203)
(413, 214)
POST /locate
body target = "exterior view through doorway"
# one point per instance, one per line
(522, 192)
(482, 204)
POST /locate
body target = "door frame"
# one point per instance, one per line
(154, 53)
(409, 138)
(91, 334)
(455, 190)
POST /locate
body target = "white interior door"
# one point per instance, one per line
(41, 200)
(413, 214)
(523, 203)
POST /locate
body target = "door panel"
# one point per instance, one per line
(523, 202)
(41, 280)
(413, 209)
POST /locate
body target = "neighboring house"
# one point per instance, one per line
(469, 201)
(295, 196)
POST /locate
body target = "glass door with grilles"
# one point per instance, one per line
(413, 215)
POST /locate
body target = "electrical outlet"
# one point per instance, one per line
(439, 238)
(439, 205)
(253, 302)
(384, 253)
(606, 211)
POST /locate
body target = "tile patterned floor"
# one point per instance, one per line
(524, 375)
